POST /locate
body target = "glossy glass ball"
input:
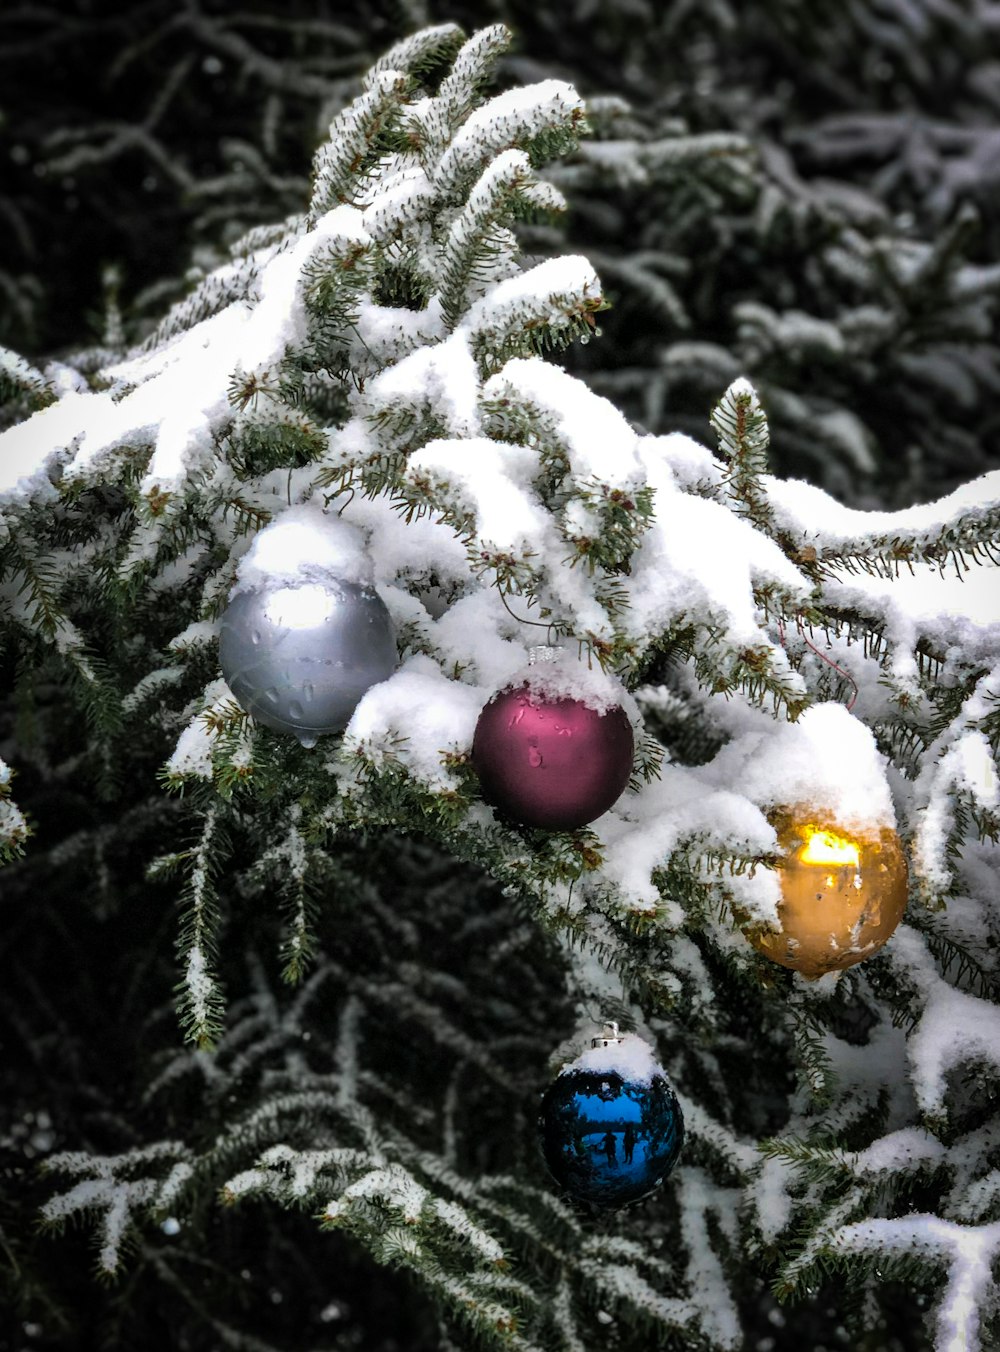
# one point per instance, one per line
(608, 1140)
(842, 894)
(554, 763)
(299, 658)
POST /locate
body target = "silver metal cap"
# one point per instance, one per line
(543, 652)
(608, 1038)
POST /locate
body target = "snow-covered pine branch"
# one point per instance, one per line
(14, 829)
(119, 1190)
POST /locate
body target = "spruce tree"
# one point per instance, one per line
(277, 1017)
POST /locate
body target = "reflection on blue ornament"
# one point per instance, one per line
(607, 1140)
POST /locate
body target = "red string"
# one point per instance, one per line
(828, 660)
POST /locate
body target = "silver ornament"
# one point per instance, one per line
(299, 658)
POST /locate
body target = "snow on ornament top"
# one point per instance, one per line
(551, 675)
(826, 760)
(622, 1054)
(304, 544)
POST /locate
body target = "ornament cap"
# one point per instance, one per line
(544, 652)
(609, 1037)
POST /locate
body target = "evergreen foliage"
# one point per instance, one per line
(373, 969)
(803, 196)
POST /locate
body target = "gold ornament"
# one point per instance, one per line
(842, 894)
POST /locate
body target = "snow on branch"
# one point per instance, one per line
(965, 522)
(14, 829)
(19, 379)
(373, 1199)
(433, 390)
(967, 1252)
(959, 768)
(594, 436)
(953, 1027)
(109, 1188)
(168, 407)
(416, 53)
(551, 303)
(294, 1175)
(32, 451)
(550, 112)
(460, 89)
(348, 151)
(472, 253)
(741, 426)
(199, 993)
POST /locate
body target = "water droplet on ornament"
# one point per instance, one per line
(255, 636)
(564, 731)
(295, 709)
(308, 693)
(534, 757)
(308, 740)
(857, 882)
(272, 695)
(516, 718)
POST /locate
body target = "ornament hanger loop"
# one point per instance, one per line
(521, 619)
(828, 660)
(330, 498)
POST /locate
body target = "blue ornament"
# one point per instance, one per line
(611, 1125)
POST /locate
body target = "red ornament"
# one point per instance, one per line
(551, 762)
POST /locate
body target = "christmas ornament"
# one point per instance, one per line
(611, 1125)
(554, 748)
(308, 635)
(842, 894)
